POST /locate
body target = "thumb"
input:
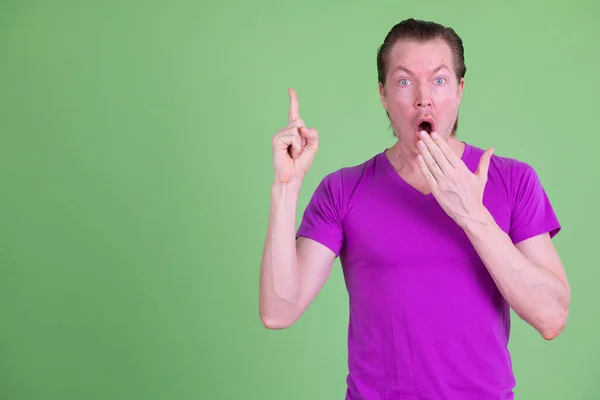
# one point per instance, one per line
(310, 135)
(484, 164)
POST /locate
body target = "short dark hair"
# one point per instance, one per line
(422, 31)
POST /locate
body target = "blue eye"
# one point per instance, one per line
(439, 81)
(404, 82)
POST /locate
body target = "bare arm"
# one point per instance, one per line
(292, 271)
(529, 275)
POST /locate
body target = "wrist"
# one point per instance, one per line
(477, 220)
(284, 190)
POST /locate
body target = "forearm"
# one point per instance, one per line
(279, 273)
(538, 296)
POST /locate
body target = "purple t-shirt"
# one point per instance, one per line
(426, 320)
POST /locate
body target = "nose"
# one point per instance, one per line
(423, 99)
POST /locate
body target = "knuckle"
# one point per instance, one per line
(281, 138)
(293, 130)
(298, 122)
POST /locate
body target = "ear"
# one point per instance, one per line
(382, 96)
(461, 88)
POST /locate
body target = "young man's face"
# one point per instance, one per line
(421, 84)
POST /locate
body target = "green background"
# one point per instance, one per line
(135, 168)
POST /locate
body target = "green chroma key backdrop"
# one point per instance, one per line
(135, 170)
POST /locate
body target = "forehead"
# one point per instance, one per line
(420, 56)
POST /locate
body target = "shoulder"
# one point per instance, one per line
(520, 174)
(323, 218)
(347, 179)
(531, 211)
(338, 188)
(515, 177)
(509, 169)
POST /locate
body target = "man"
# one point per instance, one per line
(437, 238)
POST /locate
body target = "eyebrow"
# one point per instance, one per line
(401, 68)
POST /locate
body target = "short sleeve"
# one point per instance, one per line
(532, 213)
(321, 220)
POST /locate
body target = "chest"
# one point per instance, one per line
(403, 257)
(386, 228)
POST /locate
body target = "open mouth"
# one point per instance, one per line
(425, 126)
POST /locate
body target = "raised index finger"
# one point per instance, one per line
(294, 106)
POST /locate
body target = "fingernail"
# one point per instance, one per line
(423, 134)
(435, 135)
